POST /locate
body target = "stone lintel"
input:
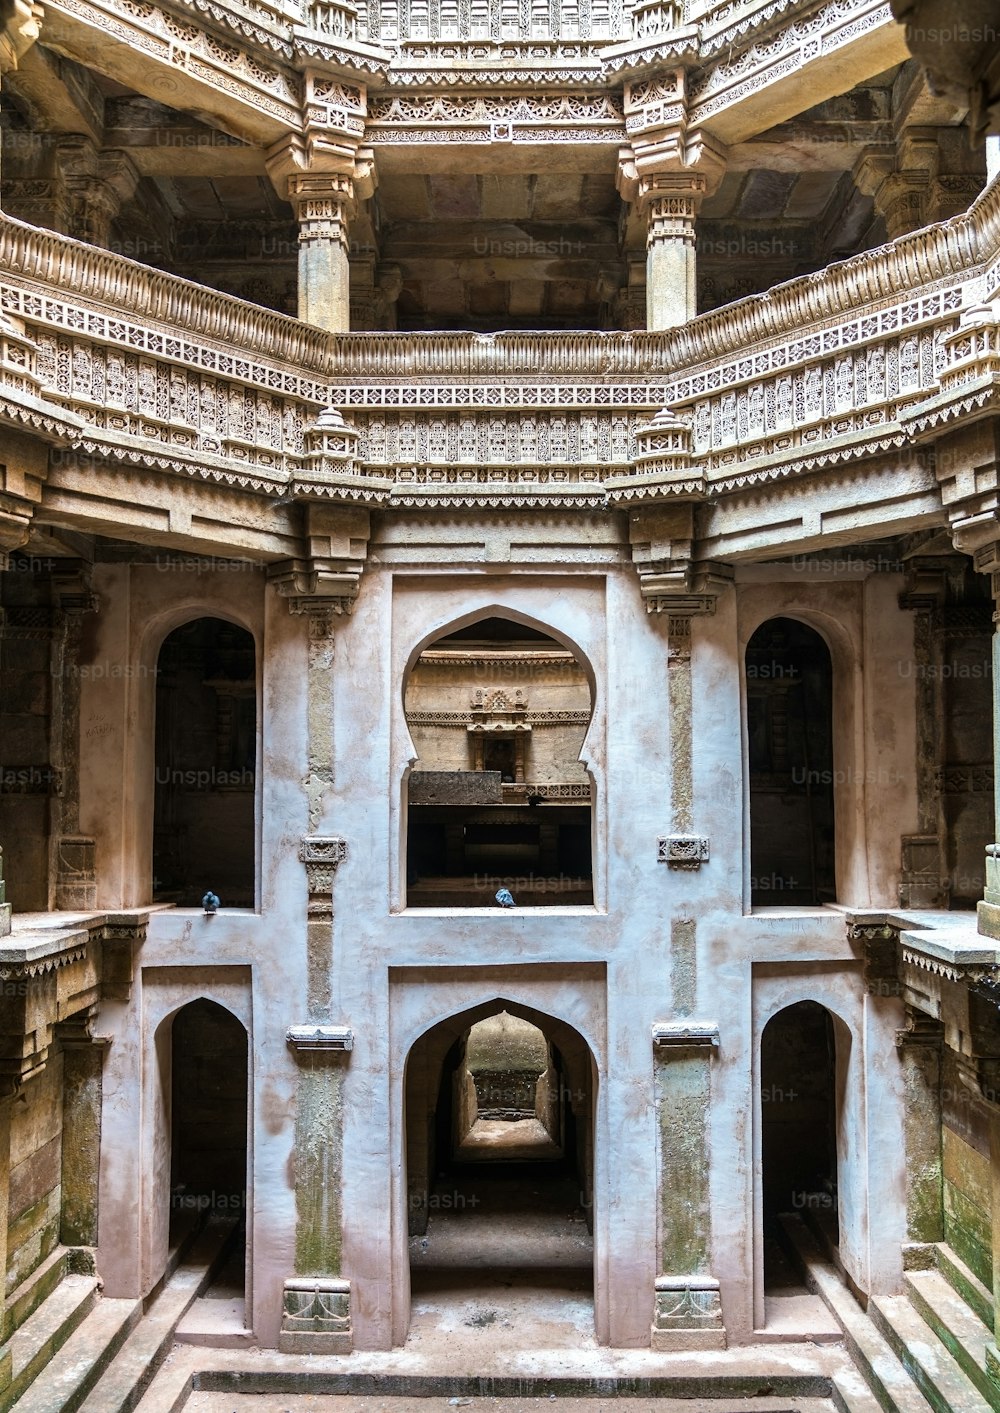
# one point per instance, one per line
(685, 1035)
(324, 1039)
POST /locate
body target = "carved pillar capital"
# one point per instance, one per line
(322, 855)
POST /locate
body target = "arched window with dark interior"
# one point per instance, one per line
(205, 762)
(498, 797)
(789, 677)
(799, 1131)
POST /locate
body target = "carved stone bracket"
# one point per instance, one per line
(122, 935)
(320, 1039)
(880, 943)
(688, 1314)
(687, 851)
(322, 856)
(326, 579)
(316, 1316)
(685, 1035)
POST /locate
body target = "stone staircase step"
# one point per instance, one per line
(851, 1394)
(44, 1332)
(25, 1299)
(122, 1384)
(885, 1375)
(72, 1373)
(937, 1375)
(958, 1328)
(169, 1391)
(977, 1296)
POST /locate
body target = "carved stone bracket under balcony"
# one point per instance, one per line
(879, 939)
(326, 580)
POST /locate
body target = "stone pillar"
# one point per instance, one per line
(97, 186)
(688, 1304)
(671, 201)
(5, 907)
(316, 1308)
(83, 1063)
(666, 174)
(919, 1047)
(316, 1301)
(316, 1314)
(925, 176)
(323, 204)
(73, 862)
(20, 26)
(987, 560)
(6, 1370)
(993, 156)
(923, 872)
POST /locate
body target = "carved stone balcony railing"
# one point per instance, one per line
(737, 48)
(836, 369)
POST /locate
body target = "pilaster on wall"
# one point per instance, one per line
(321, 587)
(665, 175)
(924, 872)
(688, 1303)
(676, 591)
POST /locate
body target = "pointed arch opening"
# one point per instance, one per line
(205, 765)
(499, 805)
(499, 1121)
(803, 1064)
(209, 1151)
(789, 685)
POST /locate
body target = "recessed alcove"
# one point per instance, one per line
(205, 765)
(498, 797)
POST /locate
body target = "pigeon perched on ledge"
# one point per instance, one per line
(210, 902)
(504, 898)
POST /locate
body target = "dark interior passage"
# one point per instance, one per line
(789, 679)
(208, 1161)
(798, 1125)
(499, 1161)
(206, 751)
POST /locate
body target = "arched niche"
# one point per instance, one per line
(498, 795)
(790, 758)
(205, 759)
(522, 1205)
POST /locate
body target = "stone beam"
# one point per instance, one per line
(247, 96)
(803, 63)
(58, 95)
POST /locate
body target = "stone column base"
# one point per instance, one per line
(4, 919)
(688, 1314)
(316, 1316)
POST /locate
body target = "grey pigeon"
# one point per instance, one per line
(504, 898)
